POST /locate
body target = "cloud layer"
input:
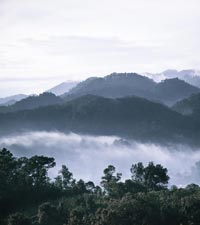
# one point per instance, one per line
(87, 156)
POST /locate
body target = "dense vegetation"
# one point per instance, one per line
(28, 196)
(32, 102)
(132, 117)
(122, 104)
(120, 85)
(189, 106)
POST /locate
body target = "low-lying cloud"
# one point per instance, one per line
(87, 156)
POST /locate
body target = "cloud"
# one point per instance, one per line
(87, 156)
(77, 39)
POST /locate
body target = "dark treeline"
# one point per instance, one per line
(29, 197)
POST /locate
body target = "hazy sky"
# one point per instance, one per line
(44, 42)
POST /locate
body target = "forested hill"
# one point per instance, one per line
(130, 117)
(114, 85)
(189, 106)
(118, 85)
(32, 102)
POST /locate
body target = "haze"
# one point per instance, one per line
(43, 43)
(87, 156)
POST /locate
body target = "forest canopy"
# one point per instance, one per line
(28, 196)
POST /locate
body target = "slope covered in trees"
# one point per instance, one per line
(133, 117)
(33, 102)
(11, 99)
(29, 197)
(114, 86)
(189, 106)
(170, 91)
(131, 84)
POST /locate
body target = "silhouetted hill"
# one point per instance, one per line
(131, 117)
(32, 102)
(189, 106)
(172, 90)
(114, 86)
(11, 99)
(131, 84)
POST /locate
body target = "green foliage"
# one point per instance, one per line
(110, 180)
(142, 200)
(18, 219)
(32, 102)
(23, 180)
(154, 177)
(47, 214)
(127, 117)
(65, 180)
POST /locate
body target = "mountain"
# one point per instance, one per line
(63, 87)
(114, 86)
(32, 102)
(11, 99)
(190, 76)
(131, 117)
(131, 84)
(172, 90)
(189, 106)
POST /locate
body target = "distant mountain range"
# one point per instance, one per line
(190, 76)
(12, 99)
(118, 85)
(32, 102)
(124, 104)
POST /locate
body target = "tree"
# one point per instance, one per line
(130, 210)
(80, 187)
(137, 171)
(8, 166)
(65, 180)
(47, 214)
(76, 217)
(18, 219)
(110, 180)
(90, 187)
(154, 177)
(36, 168)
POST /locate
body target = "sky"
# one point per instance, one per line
(45, 42)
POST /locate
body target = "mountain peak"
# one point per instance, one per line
(63, 87)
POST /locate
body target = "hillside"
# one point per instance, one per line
(114, 86)
(11, 99)
(131, 84)
(132, 117)
(189, 106)
(172, 90)
(32, 102)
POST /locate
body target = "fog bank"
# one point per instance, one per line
(87, 156)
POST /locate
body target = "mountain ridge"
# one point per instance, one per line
(118, 85)
(32, 102)
(132, 117)
(63, 87)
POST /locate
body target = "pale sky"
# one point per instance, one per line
(44, 42)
